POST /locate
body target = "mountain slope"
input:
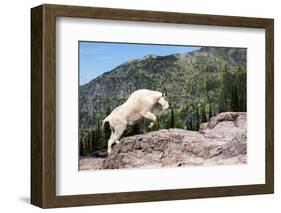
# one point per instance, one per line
(199, 84)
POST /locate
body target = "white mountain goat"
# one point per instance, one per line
(138, 106)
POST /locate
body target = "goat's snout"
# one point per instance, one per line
(166, 106)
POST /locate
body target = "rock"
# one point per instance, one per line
(99, 153)
(221, 141)
(89, 163)
(224, 116)
(226, 125)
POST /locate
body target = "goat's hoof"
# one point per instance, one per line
(151, 125)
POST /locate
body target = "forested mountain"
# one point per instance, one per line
(199, 85)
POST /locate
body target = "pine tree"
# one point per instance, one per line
(234, 99)
(172, 121)
(89, 151)
(93, 141)
(203, 114)
(108, 110)
(86, 147)
(98, 135)
(240, 106)
(210, 111)
(81, 147)
(197, 118)
(157, 126)
(222, 103)
(189, 122)
(244, 105)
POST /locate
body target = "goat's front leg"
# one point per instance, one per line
(149, 116)
(163, 103)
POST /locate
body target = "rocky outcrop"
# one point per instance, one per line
(223, 140)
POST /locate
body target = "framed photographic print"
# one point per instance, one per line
(136, 106)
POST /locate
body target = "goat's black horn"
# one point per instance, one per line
(164, 92)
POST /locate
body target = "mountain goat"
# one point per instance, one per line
(138, 106)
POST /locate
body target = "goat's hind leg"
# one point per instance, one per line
(111, 141)
(119, 132)
(115, 136)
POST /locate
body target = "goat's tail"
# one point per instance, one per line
(104, 121)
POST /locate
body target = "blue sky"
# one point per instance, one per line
(99, 57)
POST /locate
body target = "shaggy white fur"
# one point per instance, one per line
(139, 105)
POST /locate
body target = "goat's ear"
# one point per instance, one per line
(164, 92)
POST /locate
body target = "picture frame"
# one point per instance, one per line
(43, 105)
